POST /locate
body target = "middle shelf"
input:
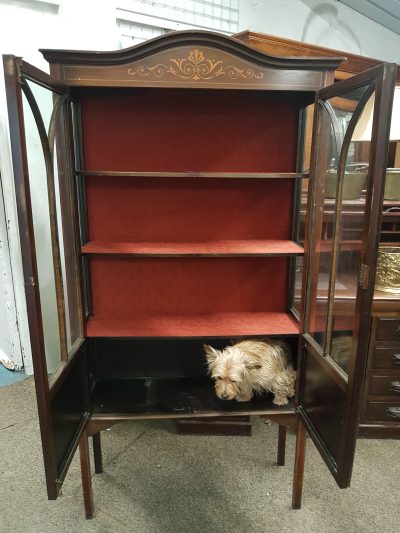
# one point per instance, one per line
(220, 248)
(221, 324)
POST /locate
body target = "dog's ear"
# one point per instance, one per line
(211, 353)
(252, 365)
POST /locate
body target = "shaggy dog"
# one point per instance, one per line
(252, 367)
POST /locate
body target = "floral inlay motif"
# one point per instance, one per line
(196, 67)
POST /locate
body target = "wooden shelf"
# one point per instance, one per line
(211, 325)
(193, 174)
(172, 398)
(222, 248)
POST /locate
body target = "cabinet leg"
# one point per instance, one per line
(85, 475)
(98, 456)
(298, 474)
(281, 445)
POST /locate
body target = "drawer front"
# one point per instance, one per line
(387, 358)
(388, 329)
(383, 411)
(385, 385)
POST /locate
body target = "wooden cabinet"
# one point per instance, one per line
(173, 173)
(350, 65)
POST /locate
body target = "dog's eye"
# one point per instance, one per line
(219, 377)
(232, 381)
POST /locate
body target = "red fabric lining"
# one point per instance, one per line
(184, 130)
(178, 131)
(125, 287)
(158, 209)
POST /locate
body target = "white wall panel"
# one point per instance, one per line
(323, 22)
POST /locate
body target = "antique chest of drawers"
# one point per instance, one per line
(380, 415)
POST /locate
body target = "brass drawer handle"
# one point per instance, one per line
(393, 412)
(394, 386)
(396, 358)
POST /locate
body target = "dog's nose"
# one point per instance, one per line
(224, 396)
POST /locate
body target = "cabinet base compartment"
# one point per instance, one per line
(157, 378)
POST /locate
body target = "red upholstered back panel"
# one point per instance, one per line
(183, 130)
(199, 130)
(162, 209)
(126, 287)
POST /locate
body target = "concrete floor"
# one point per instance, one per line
(157, 481)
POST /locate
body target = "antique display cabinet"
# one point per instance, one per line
(164, 212)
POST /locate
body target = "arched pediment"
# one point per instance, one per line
(190, 59)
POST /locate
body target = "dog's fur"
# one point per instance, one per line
(341, 350)
(252, 366)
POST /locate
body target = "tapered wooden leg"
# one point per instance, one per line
(85, 475)
(281, 445)
(298, 474)
(98, 456)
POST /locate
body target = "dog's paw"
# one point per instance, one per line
(242, 398)
(280, 400)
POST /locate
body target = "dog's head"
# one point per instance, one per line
(229, 368)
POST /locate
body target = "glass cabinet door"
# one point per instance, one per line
(51, 192)
(338, 229)
(39, 117)
(345, 202)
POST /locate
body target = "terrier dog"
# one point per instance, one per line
(252, 366)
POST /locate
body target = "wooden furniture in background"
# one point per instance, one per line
(272, 44)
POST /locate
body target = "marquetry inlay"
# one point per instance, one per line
(196, 66)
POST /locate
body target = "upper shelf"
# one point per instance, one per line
(220, 248)
(193, 174)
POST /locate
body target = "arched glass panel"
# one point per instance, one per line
(340, 192)
(51, 191)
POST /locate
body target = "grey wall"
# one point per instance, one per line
(326, 23)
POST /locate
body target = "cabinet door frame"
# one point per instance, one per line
(383, 79)
(17, 72)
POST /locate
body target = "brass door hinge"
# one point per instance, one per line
(363, 276)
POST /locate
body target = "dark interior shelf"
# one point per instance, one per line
(220, 248)
(210, 325)
(172, 398)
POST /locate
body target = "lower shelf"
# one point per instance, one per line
(210, 325)
(172, 398)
